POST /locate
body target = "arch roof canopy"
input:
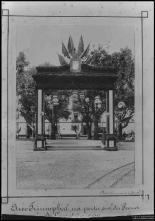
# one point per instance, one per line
(60, 77)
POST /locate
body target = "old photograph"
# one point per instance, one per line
(75, 107)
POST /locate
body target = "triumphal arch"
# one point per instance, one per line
(75, 76)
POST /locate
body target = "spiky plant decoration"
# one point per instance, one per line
(71, 53)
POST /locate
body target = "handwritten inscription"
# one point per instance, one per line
(61, 209)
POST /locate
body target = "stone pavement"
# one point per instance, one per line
(71, 169)
(64, 144)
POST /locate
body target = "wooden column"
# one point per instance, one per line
(39, 117)
(107, 110)
(39, 139)
(110, 143)
(111, 117)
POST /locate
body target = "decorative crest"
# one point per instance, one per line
(76, 57)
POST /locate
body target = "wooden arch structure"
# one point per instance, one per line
(88, 77)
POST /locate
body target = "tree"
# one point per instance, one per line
(26, 93)
(21, 62)
(123, 62)
(25, 89)
(90, 112)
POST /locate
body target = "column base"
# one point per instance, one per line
(110, 142)
(40, 143)
(111, 148)
(39, 149)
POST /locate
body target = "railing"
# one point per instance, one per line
(23, 129)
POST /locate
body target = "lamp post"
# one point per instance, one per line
(98, 105)
(86, 109)
(121, 108)
(52, 103)
(82, 96)
(121, 105)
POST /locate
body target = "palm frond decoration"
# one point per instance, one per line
(64, 51)
(80, 46)
(72, 53)
(71, 46)
(85, 53)
(62, 60)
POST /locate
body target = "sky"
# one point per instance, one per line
(42, 43)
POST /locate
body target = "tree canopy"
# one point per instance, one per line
(123, 62)
(26, 93)
(25, 88)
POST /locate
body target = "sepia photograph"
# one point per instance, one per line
(77, 104)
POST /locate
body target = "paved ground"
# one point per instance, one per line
(74, 168)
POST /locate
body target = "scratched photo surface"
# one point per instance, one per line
(75, 106)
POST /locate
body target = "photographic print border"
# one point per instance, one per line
(144, 14)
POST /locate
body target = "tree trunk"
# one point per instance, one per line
(28, 131)
(120, 129)
(53, 130)
(88, 126)
(96, 129)
(89, 132)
